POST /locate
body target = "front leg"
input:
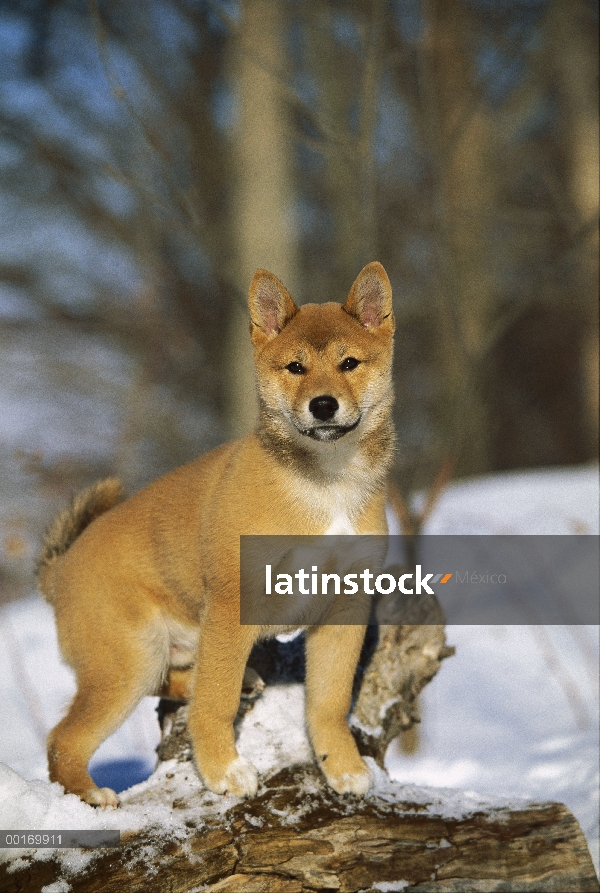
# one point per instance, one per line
(332, 654)
(222, 655)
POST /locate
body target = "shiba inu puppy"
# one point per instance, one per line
(146, 591)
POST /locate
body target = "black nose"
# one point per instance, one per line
(323, 408)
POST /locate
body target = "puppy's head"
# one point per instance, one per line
(323, 371)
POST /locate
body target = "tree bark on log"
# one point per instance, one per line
(405, 660)
(297, 836)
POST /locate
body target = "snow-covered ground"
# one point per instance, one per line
(514, 714)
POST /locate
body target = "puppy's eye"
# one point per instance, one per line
(349, 363)
(296, 368)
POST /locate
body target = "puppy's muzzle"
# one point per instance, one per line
(323, 410)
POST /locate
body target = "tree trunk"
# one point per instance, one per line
(262, 211)
(458, 140)
(573, 42)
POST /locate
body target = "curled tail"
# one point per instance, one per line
(64, 529)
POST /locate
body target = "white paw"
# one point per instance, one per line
(102, 797)
(240, 779)
(352, 782)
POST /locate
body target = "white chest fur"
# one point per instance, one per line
(332, 508)
(340, 524)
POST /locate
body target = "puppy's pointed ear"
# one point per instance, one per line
(271, 306)
(370, 299)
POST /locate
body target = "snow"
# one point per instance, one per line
(515, 728)
(523, 719)
(272, 746)
(391, 886)
(544, 501)
(512, 717)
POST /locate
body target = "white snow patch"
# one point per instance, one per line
(448, 802)
(57, 887)
(390, 886)
(541, 501)
(273, 735)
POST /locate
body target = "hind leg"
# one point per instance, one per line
(107, 692)
(177, 685)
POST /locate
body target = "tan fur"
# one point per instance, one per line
(146, 592)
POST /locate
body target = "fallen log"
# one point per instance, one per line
(297, 836)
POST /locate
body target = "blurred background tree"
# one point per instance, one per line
(153, 154)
